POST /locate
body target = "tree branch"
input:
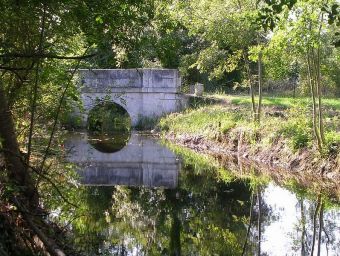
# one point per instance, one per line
(58, 112)
(35, 88)
(45, 55)
(13, 68)
(48, 179)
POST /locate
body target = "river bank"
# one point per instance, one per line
(281, 146)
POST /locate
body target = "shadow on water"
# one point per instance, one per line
(143, 200)
(109, 143)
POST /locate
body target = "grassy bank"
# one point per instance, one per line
(285, 119)
(284, 138)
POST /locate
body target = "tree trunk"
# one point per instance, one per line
(319, 94)
(16, 169)
(312, 89)
(251, 86)
(259, 107)
(27, 199)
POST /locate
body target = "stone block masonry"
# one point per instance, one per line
(142, 92)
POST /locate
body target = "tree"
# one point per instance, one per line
(40, 42)
(307, 18)
(228, 33)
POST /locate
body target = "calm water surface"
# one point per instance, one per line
(144, 199)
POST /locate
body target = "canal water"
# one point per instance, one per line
(143, 197)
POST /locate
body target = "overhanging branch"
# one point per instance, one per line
(14, 68)
(45, 55)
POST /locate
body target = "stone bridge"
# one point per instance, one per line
(141, 92)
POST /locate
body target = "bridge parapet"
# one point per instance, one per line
(131, 80)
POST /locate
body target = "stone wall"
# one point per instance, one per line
(142, 92)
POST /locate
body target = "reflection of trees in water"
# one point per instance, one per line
(181, 222)
(303, 227)
(316, 227)
(260, 216)
(331, 230)
(316, 230)
(203, 216)
(93, 214)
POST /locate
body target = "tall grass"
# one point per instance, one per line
(206, 121)
(293, 124)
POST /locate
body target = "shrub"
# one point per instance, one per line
(298, 131)
(226, 126)
(332, 143)
(148, 123)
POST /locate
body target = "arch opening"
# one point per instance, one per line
(109, 127)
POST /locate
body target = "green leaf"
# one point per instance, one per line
(99, 20)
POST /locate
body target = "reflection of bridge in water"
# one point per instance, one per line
(142, 162)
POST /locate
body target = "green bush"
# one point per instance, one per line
(146, 123)
(298, 131)
(332, 142)
(70, 121)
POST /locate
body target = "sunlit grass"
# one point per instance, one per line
(277, 101)
(293, 124)
(207, 120)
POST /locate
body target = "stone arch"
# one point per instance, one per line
(109, 113)
(108, 125)
(130, 104)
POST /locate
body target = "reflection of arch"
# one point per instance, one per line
(109, 143)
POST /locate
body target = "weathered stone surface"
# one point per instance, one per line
(142, 92)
